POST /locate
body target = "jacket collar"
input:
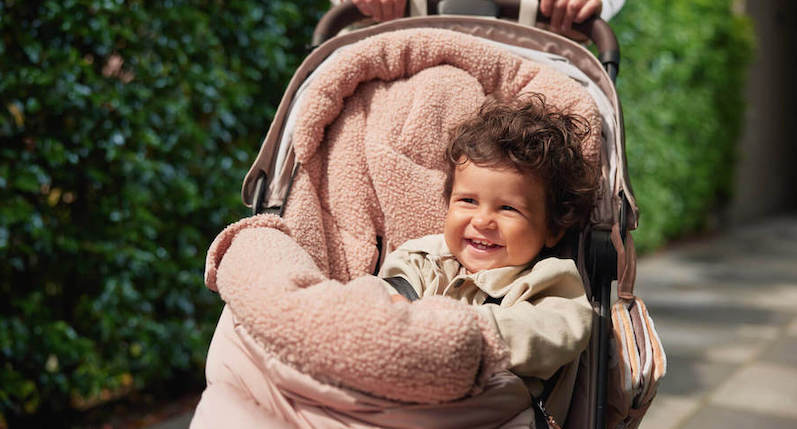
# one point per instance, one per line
(495, 282)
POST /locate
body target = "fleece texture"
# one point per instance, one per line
(370, 139)
(372, 132)
(249, 388)
(350, 335)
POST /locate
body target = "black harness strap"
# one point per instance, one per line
(403, 287)
(493, 300)
(378, 254)
(542, 419)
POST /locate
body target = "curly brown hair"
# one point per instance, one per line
(534, 138)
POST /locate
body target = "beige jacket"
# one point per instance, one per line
(544, 316)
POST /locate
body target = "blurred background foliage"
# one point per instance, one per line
(681, 81)
(126, 128)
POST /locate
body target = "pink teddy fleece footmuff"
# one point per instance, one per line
(308, 338)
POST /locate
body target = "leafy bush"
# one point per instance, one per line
(126, 129)
(681, 78)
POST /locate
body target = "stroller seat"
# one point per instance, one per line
(308, 337)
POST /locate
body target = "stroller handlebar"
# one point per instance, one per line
(595, 29)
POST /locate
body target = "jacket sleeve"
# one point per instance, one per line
(611, 8)
(547, 330)
(406, 264)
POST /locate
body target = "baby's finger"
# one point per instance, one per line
(592, 7)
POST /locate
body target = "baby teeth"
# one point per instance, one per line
(483, 244)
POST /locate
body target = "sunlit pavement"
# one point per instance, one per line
(179, 422)
(726, 309)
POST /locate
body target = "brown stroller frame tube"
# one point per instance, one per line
(601, 262)
(601, 254)
(595, 29)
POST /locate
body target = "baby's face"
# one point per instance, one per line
(496, 217)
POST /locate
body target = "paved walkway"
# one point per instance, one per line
(726, 310)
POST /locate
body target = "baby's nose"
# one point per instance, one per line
(483, 219)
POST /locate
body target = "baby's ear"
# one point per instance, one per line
(553, 237)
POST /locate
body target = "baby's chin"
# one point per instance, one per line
(476, 267)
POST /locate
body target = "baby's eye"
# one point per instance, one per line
(509, 208)
(468, 200)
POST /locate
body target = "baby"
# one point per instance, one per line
(518, 182)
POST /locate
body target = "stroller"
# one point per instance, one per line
(351, 167)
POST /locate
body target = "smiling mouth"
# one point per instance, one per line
(482, 245)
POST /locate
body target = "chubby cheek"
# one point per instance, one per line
(524, 246)
(453, 230)
(524, 253)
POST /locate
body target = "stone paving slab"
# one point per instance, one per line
(722, 343)
(692, 379)
(180, 422)
(668, 410)
(723, 418)
(783, 353)
(760, 387)
(791, 331)
(726, 310)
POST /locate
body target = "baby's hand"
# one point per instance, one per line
(399, 298)
(564, 13)
(381, 10)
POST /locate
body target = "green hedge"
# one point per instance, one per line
(125, 132)
(681, 83)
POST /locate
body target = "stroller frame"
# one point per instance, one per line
(267, 184)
